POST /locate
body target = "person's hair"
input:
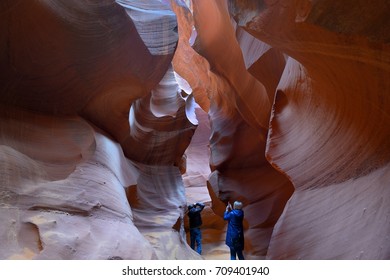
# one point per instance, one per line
(237, 205)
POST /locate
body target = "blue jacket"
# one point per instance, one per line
(235, 230)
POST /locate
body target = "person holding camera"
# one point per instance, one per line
(235, 231)
(195, 223)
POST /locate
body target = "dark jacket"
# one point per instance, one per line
(235, 231)
(194, 215)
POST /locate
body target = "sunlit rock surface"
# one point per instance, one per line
(70, 148)
(329, 129)
(114, 115)
(237, 142)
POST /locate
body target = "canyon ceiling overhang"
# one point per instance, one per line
(287, 102)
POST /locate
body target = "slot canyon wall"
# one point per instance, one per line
(114, 115)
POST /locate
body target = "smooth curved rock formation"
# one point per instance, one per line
(114, 115)
(329, 129)
(237, 142)
(71, 72)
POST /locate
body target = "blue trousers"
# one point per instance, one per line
(196, 237)
(233, 254)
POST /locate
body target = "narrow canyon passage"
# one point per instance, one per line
(115, 115)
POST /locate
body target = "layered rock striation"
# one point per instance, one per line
(286, 104)
(90, 111)
(329, 126)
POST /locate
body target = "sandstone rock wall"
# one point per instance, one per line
(286, 103)
(329, 127)
(88, 111)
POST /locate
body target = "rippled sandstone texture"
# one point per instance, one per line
(95, 127)
(329, 128)
(89, 110)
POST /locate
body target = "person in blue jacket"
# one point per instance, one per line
(235, 231)
(195, 223)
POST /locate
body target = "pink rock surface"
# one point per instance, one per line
(329, 127)
(237, 143)
(62, 194)
(114, 115)
(70, 152)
